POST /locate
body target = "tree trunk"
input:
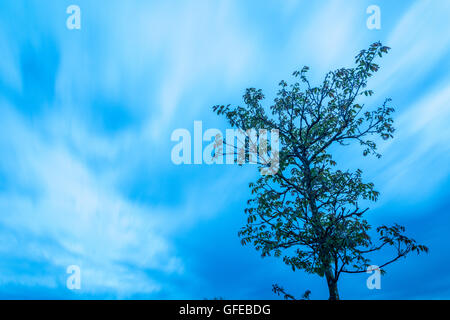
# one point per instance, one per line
(331, 281)
(332, 285)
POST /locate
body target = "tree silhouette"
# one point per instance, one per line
(310, 212)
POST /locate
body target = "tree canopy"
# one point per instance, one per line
(311, 212)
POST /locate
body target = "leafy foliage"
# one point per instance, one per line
(280, 291)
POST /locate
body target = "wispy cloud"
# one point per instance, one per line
(86, 116)
(419, 155)
(52, 193)
(419, 41)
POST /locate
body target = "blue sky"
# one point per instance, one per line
(85, 122)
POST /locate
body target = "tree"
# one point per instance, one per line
(310, 212)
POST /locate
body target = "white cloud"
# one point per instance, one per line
(419, 40)
(328, 33)
(54, 194)
(419, 154)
